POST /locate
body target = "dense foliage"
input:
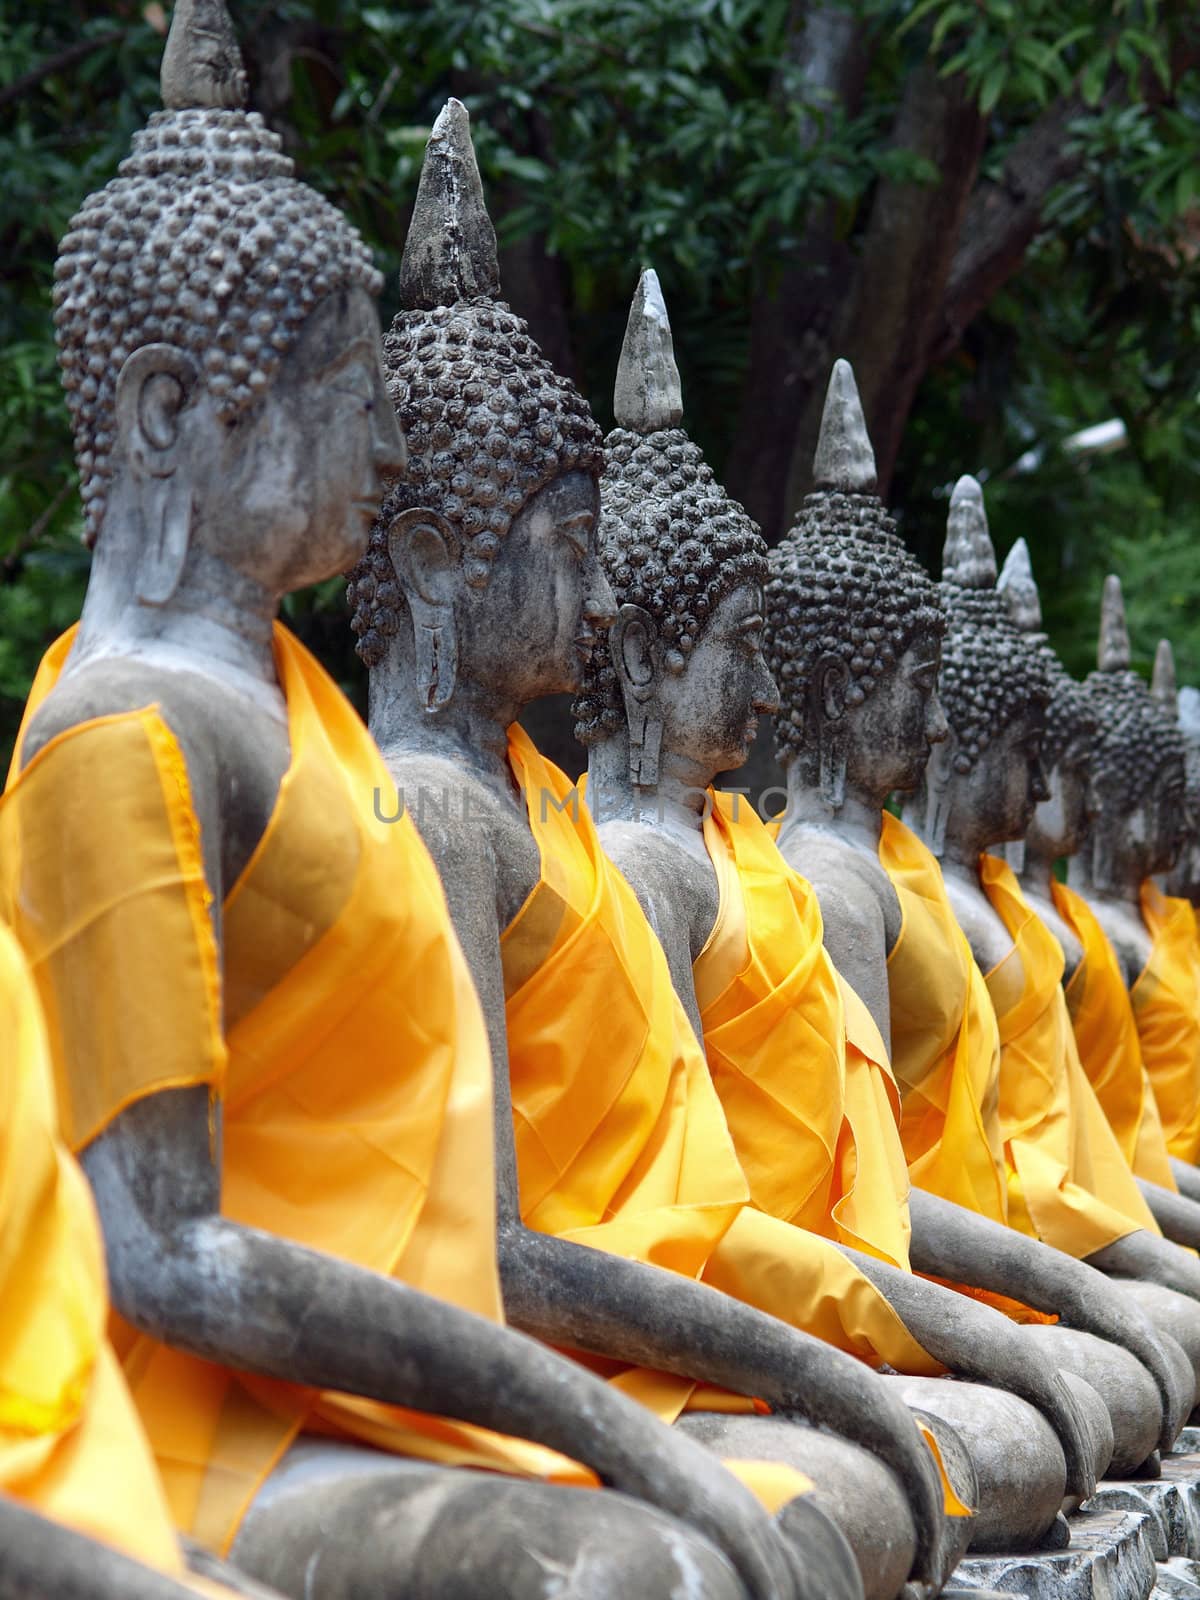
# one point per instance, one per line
(757, 152)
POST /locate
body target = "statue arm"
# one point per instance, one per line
(1177, 1215)
(1187, 1177)
(572, 1295)
(855, 937)
(975, 1342)
(44, 1560)
(1142, 1254)
(951, 1242)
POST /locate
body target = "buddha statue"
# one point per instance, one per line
(854, 639)
(623, 1229)
(796, 1058)
(1183, 880)
(1140, 829)
(1101, 1013)
(266, 1045)
(1068, 1182)
(82, 1510)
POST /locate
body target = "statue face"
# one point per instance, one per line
(1061, 821)
(287, 494)
(893, 731)
(1007, 782)
(710, 710)
(530, 630)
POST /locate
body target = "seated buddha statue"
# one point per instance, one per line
(1140, 829)
(265, 1041)
(623, 1229)
(1183, 880)
(797, 1061)
(854, 638)
(1068, 1183)
(82, 1510)
(1102, 1014)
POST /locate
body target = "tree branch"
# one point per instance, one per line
(63, 61)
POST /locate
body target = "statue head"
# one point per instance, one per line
(1138, 773)
(1060, 823)
(986, 779)
(218, 344)
(482, 565)
(1184, 878)
(855, 626)
(685, 672)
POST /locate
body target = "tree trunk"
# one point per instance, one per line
(793, 310)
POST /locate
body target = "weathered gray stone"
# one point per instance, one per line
(1111, 1557)
(647, 395)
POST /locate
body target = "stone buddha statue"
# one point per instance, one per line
(674, 706)
(82, 1510)
(621, 1207)
(1183, 880)
(1141, 828)
(854, 638)
(1101, 1013)
(265, 1040)
(1068, 1182)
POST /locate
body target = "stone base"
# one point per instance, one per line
(1178, 1579)
(1172, 1500)
(1111, 1557)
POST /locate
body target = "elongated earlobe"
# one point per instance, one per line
(424, 552)
(154, 389)
(828, 682)
(938, 795)
(166, 535)
(633, 646)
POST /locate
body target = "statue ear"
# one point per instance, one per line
(828, 682)
(154, 388)
(633, 645)
(426, 554)
(939, 771)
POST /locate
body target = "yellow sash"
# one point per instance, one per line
(357, 1086)
(621, 1138)
(1068, 1183)
(1106, 1034)
(945, 1043)
(1166, 1005)
(796, 1058)
(71, 1444)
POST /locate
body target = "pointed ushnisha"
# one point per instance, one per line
(202, 65)
(1113, 653)
(968, 559)
(647, 395)
(844, 459)
(450, 252)
(1163, 684)
(1019, 588)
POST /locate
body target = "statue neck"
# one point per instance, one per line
(676, 804)
(858, 819)
(217, 621)
(1114, 877)
(1040, 856)
(471, 731)
(966, 840)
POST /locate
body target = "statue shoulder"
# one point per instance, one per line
(849, 880)
(478, 837)
(675, 888)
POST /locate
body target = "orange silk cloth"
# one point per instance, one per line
(354, 1076)
(945, 1042)
(621, 1139)
(797, 1061)
(1107, 1037)
(1068, 1183)
(71, 1444)
(1166, 1005)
